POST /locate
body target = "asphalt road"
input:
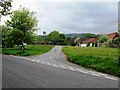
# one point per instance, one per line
(54, 72)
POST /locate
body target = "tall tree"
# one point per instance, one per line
(54, 37)
(24, 21)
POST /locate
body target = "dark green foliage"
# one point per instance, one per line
(70, 41)
(89, 35)
(116, 42)
(5, 7)
(6, 36)
(62, 36)
(56, 38)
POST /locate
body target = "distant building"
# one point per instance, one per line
(92, 42)
(85, 42)
(112, 35)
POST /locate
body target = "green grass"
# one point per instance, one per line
(98, 58)
(30, 50)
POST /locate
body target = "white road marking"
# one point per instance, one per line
(10, 55)
(72, 69)
(102, 74)
(18, 56)
(111, 78)
(62, 66)
(83, 71)
(27, 59)
(55, 65)
(32, 60)
(78, 69)
(95, 74)
(90, 71)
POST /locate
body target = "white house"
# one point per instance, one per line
(91, 42)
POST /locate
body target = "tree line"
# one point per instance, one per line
(53, 38)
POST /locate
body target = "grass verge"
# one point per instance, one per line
(98, 58)
(30, 50)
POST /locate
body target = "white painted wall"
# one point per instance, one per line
(83, 45)
(90, 44)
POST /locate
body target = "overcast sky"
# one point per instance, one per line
(73, 16)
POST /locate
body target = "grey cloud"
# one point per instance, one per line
(69, 17)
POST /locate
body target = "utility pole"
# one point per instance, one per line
(83, 27)
(119, 52)
(119, 34)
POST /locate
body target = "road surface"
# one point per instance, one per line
(51, 70)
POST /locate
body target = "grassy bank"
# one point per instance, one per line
(30, 50)
(98, 58)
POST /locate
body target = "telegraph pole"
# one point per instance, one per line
(83, 26)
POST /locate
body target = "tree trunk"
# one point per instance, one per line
(22, 47)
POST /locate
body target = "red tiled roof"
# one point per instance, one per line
(83, 39)
(90, 40)
(112, 35)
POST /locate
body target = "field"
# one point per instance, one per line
(30, 50)
(98, 58)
